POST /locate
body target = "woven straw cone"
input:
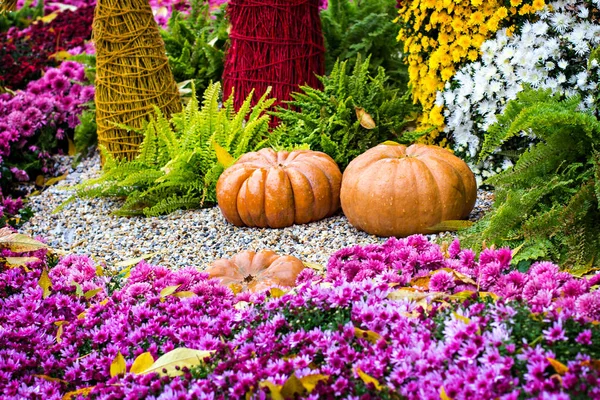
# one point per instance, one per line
(7, 5)
(132, 73)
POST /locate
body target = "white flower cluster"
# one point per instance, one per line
(550, 53)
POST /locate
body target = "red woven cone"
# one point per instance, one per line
(274, 43)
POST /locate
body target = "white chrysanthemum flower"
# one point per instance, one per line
(439, 99)
(583, 12)
(561, 22)
(495, 86)
(559, 5)
(506, 164)
(551, 47)
(449, 97)
(508, 63)
(551, 84)
(594, 63)
(582, 80)
(581, 49)
(577, 36)
(540, 28)
(562, 64)
(507, 70)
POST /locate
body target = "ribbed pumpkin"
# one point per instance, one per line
(254, 272)
(394, 190)
(279, 189)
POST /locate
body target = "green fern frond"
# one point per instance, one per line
(548, 203)
(326, 120)
(177, 166)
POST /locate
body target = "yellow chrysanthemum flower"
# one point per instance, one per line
(538, 5)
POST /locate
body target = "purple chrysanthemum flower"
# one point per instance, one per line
(555, 333)
(19, 174)
(441, 281)
(584, 337)
(60, 84)
(589, 305)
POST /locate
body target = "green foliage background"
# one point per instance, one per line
(547, 205)
(327, 119)
(177, 166)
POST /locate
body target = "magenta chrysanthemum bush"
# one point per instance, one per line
(349, 335)
(37, 120)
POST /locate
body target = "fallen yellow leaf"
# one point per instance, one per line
(180, 357)
(142, 362)
(366, 378)
(559, 367)
(370, 336)
(45, 283)
(118, 365)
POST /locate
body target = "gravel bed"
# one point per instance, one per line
(183, 238)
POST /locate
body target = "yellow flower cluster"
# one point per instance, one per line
(440, 35)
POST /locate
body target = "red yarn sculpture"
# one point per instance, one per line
(274, 43)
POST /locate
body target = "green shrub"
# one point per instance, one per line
(547, 205)
(328, 120)
(177, 166)
(353, 27)
(22, 17)
(195, 44)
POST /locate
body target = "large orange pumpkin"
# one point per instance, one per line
(279, 189)
(394, 190)
(256, 271)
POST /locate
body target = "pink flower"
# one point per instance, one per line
(441, 281)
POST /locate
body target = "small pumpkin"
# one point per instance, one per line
(278, 189)
(254, 271)
(394, 190)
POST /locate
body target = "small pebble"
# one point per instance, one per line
(183, 238)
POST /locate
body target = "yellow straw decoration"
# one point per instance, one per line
(132, 74)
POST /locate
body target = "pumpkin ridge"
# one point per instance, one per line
(457, 170)
(256, 194)
(312, 193)
(277, 213)
(324, 173)
(437, 192)
(241, 202)
(461, 185)
(229, 204)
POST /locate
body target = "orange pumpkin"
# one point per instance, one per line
(279, 189)
(394, 190)
(256, 271)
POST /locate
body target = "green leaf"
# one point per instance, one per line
(450, 225)
(181, 357)
(78, 289)
(91, 293)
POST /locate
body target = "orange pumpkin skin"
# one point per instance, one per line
(256, 271)
(278, 189)
(394, 190)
